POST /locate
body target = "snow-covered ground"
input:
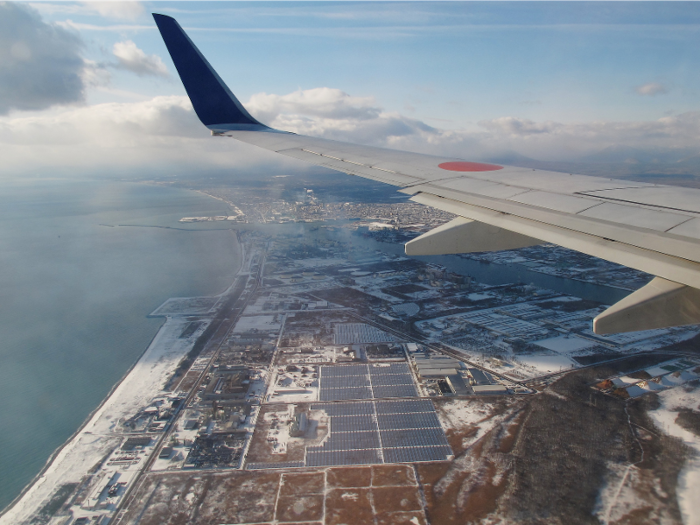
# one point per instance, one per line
(688, 488)
(459, 414)
(262, 323)
(565, 344)
(98, 437)
(546, 364)
(295, 386)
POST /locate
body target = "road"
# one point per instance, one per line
(235, 307)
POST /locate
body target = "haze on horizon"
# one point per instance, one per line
(89, 86)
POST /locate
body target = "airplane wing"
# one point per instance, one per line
(649, 227)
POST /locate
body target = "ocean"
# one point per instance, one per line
(75, 290)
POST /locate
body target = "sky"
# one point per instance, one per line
(89, 87)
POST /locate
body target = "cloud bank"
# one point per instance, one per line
(40, 64)
(164, 132)
(154, 136)
(333, 114)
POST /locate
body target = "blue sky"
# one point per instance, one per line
(544, 79)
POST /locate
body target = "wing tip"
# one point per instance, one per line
(214, 103)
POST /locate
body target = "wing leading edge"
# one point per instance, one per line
(652, 228)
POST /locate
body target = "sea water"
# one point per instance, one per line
(75, 290)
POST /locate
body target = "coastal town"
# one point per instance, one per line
(334, 382)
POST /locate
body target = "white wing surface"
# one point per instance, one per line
(649, 227)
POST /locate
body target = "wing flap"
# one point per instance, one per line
(653, 262)
(462, 235)
(555, 201)
(669, 197)
(656, 220)
(618, 231)
(659, 304)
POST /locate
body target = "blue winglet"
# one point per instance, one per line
(215, 105)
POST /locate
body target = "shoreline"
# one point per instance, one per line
(14, 511)
(104, 441)
(82, 426)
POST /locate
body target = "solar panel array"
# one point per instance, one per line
(366, 432)
(285, 464)
(350, 382)
(360, 333)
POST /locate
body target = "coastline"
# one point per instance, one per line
(81, 455)
(89, 446)
(75, 434)
(107, 317)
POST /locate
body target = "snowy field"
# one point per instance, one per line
(672, 401)
(546, 364)
(565, 344)
(261, 323)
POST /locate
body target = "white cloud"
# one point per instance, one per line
(318, 102)
(333, 114)
(164, 132)
(511, 126)
(133, 59)
(651, 89)
(145, 136)
(123, 10)
(40, 63)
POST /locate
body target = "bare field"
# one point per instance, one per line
(302, 484)
(261, 448)
(205, 498)
(349, 477)
(396, 499)
(298, 508)
(392, 475)
(333, 496)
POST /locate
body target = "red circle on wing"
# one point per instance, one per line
(469, 166)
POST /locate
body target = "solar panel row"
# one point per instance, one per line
(344, 457)
(353, 423)
(343, 394)
(349, 441)
(426, 437)
(339, 382)
(395, 391)
(407, 421)
(389, 368)
(405, 455)
(404, 407)
(394, 379)
(346, 409)
(286, 464)
(343, 370)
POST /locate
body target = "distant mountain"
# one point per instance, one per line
(691, 161)
(512, 158)
(621, 154)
